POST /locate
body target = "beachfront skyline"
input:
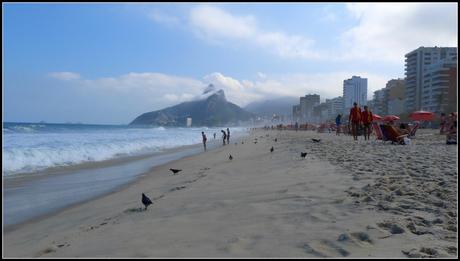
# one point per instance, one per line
(107, 63)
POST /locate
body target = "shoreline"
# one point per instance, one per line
(261, 204)
(64, 173)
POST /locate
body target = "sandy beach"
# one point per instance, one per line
(345, 199)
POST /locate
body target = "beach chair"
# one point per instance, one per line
(391, 134)
(414, 130)
(377, 130)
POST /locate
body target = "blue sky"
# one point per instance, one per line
(107, 63)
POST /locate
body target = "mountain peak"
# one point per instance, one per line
(212, 109)
(209, 89)
(220, 94)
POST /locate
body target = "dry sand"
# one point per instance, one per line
(345, 199)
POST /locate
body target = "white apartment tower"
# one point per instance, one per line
(354, 90)
(421, 69)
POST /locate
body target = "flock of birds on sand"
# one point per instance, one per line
(146, 201)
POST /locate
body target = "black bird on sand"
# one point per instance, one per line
(230, 158)
(276, 139)
(146, 201)
(175, 170)
(271, 150)
(316, 140)
(303, 154)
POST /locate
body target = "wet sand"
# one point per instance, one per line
(345, 199)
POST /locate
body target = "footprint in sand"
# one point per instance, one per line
(392, 227)
(358, 238)
(324, 248)
(53, 248)
(177, 188)
(47, 250)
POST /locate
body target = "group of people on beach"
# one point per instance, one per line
(225, 137)
(358, 119)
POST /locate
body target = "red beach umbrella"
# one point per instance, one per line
(422, 116)
(376, 117)
(391, 118)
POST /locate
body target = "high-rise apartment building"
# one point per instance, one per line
(439, 78)
(306, 106)
(334, 107)
(354, 90)
(394, 97)
(420, 75)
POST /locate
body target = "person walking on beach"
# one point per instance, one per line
(366, 118)
(355, 119)
(228, 136)
(214, 135)
(224, 136)
(204, 140)
(338, 122)
(296, 126)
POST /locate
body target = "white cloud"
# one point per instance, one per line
(213, 22)
(156, 90)
(387, 31)
(219, 26)
(65, 76)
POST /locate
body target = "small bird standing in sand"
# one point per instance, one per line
(276, 139)
(303, 155)
(230, 158)
(272, 149)
(174, 171)
(316, 140)
(146, 201)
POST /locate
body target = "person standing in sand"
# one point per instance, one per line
(228, 136)
(443, 123)
(224, 136)
(338, 122)
(366, 118)
(214, 135)
(204, 140)
(355, 120)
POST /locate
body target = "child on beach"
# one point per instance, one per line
(338, 122)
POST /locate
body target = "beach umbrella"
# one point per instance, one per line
(391, 118)
(422, 116)
(376, 117)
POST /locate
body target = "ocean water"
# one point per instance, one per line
(32, 147)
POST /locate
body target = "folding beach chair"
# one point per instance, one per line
(391, 134)
(377, 131)
(414, 129)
